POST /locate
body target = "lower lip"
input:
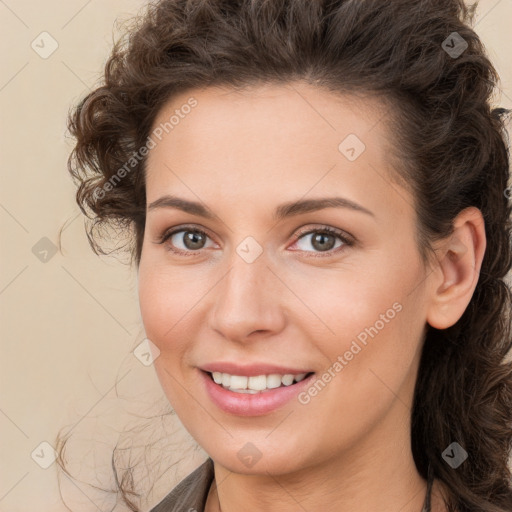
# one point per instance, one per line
(247, 404)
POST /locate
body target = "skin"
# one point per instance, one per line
(243, 153)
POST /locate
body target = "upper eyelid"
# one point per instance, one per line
(172, 231)
(323, 227)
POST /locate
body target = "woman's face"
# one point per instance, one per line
(266, 291)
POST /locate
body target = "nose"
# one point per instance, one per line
(248, 302)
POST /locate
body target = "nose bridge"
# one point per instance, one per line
(245, 300)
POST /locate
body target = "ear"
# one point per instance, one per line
(457, 269)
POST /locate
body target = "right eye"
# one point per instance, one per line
(184, 241)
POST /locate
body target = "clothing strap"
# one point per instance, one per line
(430, 481)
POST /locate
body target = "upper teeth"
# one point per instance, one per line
(242, 384)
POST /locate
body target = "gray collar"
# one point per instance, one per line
(190, 493)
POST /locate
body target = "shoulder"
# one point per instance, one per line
(190, 493)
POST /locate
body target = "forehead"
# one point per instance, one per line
(276, 140)
(291, 109)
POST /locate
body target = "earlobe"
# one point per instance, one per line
(458, 268)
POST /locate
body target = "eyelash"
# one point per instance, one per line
(347, 242)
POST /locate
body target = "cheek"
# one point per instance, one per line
(349, 301)
(380, 359)
(371, 320)
(170, 301)
(152, 306)
(162, 304)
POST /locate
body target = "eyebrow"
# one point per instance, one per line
(283, 211)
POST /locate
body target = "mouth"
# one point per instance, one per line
(256, 384)
(254, 389)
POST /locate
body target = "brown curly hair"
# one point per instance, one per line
(451, 144)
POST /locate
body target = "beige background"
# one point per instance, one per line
(68, 325)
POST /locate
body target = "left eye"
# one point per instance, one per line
(322, 240)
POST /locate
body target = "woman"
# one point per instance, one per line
(317, 193)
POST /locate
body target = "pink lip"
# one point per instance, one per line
(245, 404)
(251, 370)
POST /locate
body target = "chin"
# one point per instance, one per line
(250, 458)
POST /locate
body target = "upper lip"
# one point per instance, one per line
(251, 370)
